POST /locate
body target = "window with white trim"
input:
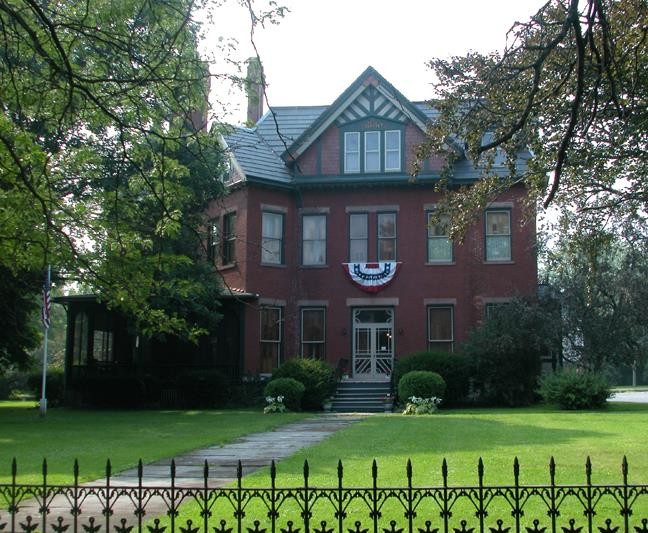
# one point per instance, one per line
(440, 327)
(498, 235)
(313, 328)
(272, 238)
(352, 151)
(372, 151)
(439, 245)
(313, 240)
(386, 236)
(229, 238)
(392, 150)
(212, 240)
(358, 237)
(271, 338)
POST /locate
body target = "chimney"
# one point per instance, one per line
(254, 89)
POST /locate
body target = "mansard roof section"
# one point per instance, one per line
(370, 95)
(255, 157)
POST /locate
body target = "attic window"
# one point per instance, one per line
(372, 152)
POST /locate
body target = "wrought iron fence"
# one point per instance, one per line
(178, 504)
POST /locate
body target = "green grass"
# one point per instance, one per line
(462, 437)
(124, 437)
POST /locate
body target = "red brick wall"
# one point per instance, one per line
(469, 281)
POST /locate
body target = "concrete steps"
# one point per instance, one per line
(360, 397)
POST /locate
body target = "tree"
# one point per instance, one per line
(571, 86)
(508, 349)
(105, 161)
(600, 279)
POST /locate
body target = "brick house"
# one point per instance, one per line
(328, 237)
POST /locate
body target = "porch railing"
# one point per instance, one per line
(180, 504)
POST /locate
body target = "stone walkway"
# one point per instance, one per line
(255, 451)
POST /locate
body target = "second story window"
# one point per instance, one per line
(358, 238)
(272, 238)
(212, 240)
(314, 240)
(439, 249)
(229, 238)
(386, 236)
(498, 235)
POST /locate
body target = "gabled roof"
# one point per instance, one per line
(385, 101)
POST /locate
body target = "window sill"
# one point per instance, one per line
(308, 267)
(440, 263)
(508, 262)
(228, 266)
(273, 265)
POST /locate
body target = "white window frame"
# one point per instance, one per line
(305, 240)
(431, 237)
(375, 151)
(383, 238)
(272, 342)
(266, 255)
(488, 236)
(347, 152)
(393, 150)
(365, 238)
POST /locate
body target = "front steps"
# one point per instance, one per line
(360, 397)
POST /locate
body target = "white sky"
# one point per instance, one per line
(320, 47)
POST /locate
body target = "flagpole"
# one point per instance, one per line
(46, 319)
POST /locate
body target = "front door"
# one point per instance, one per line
(373, 343)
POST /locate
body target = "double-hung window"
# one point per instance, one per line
(229, 238)
(498, 235)
(439, 245)
(440, 328)
(358, 237)
(372, 151)
(392, 151)
(313, 321)
(271, 338)
(352, 151)
(314, 240)
(386, 236)
(272, 238)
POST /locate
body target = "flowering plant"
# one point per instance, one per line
(274, 405)
(421, 406)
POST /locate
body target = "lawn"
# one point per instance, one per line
(92, 437)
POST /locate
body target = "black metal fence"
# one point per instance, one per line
(190, 506)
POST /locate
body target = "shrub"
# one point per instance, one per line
(110, 391)
(54, 388)
(317, 376)
(291, 390)
(456, 370)
(421, 384)
(574, 389)
(203, 388)
(421, 406)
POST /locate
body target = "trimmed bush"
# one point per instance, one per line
(422, 384)
(317, 376)
(574, 389)
(291, 390)
(455, 369)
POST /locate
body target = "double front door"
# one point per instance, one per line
(373, 343)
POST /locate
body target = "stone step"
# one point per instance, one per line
(360, 396)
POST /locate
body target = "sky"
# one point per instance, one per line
(320, 47)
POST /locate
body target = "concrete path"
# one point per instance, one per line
(630, 396)
(255, 451)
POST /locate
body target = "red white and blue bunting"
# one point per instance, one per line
(372, 277)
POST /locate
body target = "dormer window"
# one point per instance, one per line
(372, 152)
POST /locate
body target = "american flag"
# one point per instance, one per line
(47, 304)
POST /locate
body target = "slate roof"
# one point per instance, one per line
(262, 152)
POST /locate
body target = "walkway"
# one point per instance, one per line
(255, 451)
